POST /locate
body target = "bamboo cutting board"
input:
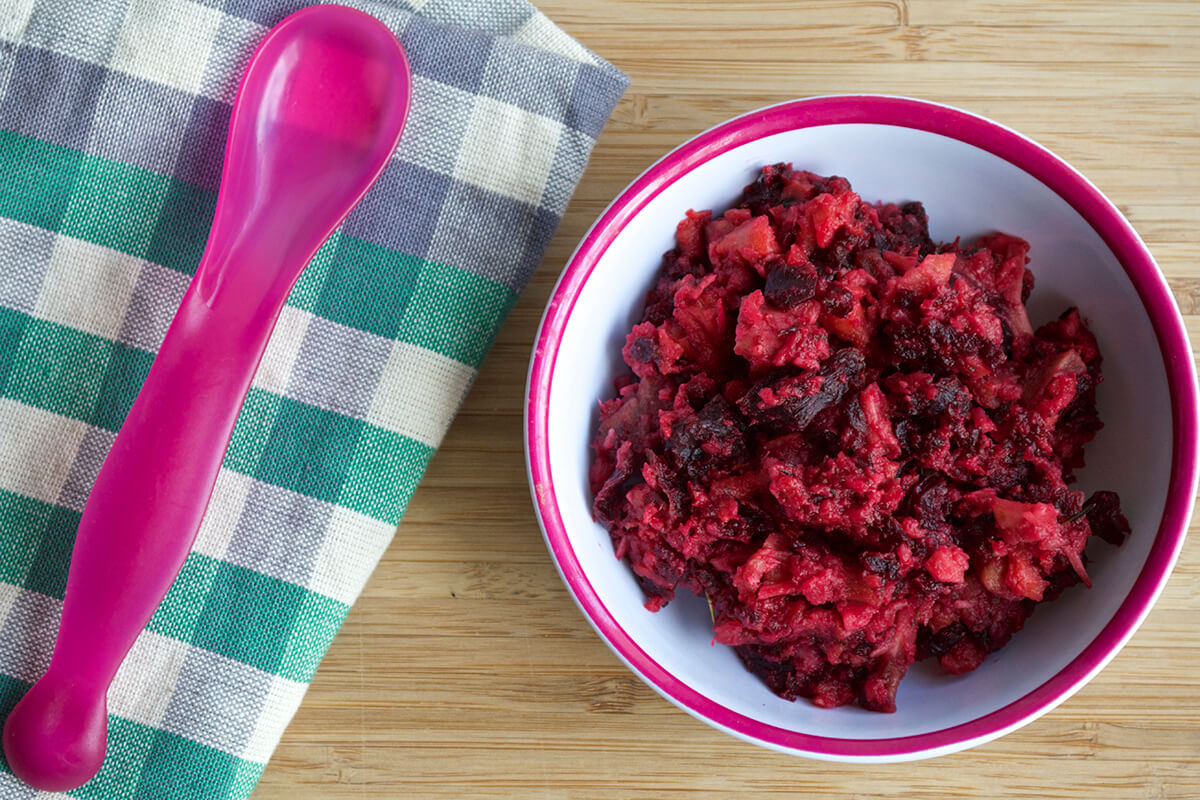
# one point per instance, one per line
(466, 671)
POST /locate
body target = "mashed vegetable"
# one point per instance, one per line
(850, 439)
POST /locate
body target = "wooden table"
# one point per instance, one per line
(466, 671)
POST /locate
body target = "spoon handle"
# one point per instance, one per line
(137, 529)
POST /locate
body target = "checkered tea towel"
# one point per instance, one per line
(113, 116)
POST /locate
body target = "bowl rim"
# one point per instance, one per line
(1062, 179)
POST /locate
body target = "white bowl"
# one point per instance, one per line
(973, 176)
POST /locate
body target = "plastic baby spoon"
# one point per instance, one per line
(317, 117)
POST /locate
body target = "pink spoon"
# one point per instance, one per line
(318, 115)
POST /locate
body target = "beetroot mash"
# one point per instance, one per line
(850, 439)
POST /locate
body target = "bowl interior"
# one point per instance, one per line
(967, 192)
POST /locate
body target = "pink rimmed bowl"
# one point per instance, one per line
(974, 176)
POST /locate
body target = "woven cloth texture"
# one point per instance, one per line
(113, 116)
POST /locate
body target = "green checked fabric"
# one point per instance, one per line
(112, 127)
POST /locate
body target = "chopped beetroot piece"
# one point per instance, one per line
(793, 400)
(850, 440)
(707, 440)
(788, 286)
(1104, 515)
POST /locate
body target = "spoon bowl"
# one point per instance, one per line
(317, 117)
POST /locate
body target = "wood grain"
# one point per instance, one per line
(466, 671)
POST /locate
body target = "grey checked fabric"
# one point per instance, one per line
(112, 126)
